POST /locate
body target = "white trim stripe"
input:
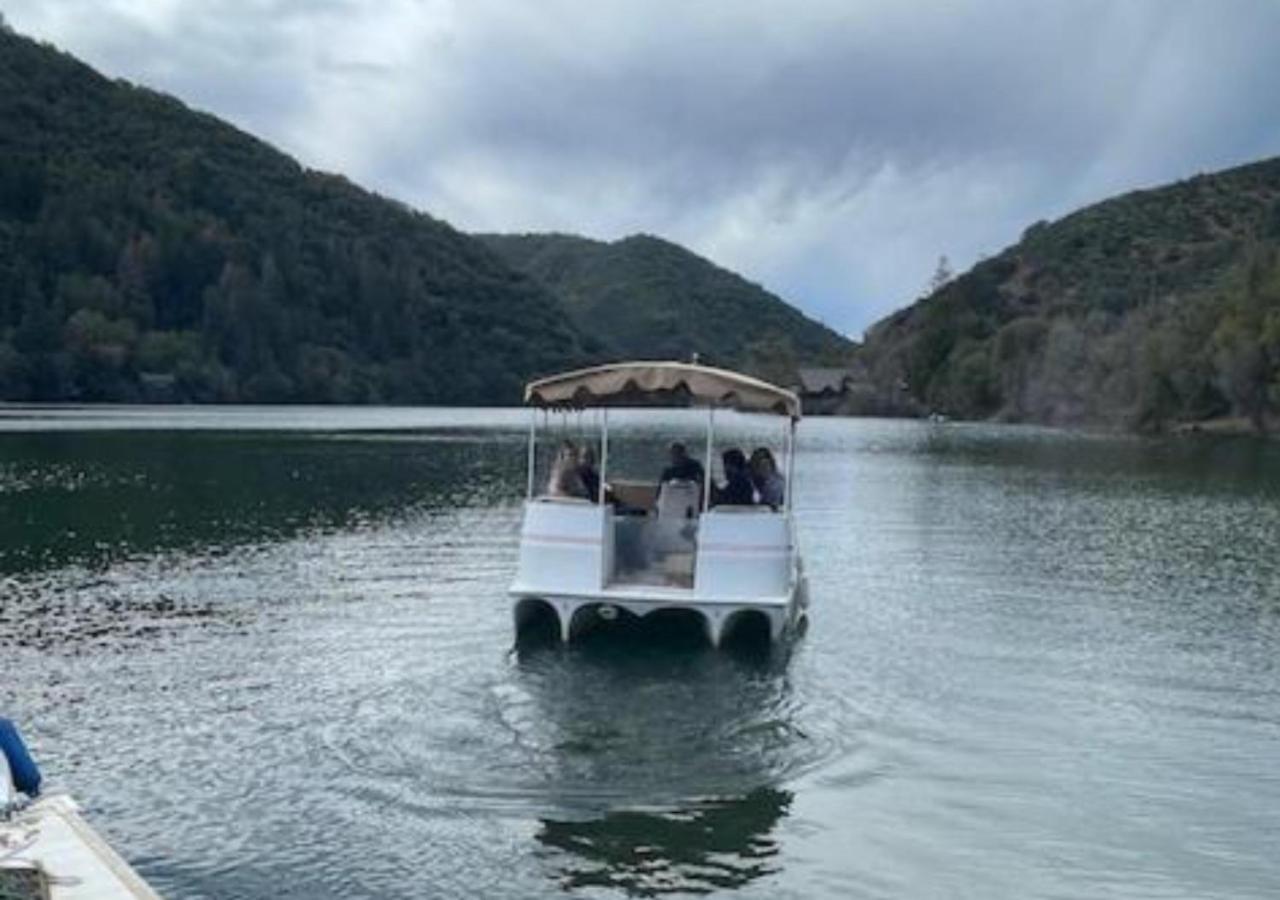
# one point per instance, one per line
(779, 549)
(561, 539)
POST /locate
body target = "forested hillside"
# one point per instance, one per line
(151, 252)
(1151, 309)
(656, 300)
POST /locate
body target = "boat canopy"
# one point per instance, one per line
(660, 384)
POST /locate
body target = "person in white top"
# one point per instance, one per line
(566, 479)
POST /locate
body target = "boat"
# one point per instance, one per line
(47, 850)
(640, 548)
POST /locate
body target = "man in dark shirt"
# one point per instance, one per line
(737, 490)
(683, 466)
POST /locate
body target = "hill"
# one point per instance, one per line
(653, 299)
(151, 252)
(1150, 309)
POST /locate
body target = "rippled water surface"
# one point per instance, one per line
(270, 651)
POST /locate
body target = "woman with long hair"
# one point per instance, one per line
(566, 479)
(770, 486)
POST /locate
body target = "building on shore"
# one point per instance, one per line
(822, 390)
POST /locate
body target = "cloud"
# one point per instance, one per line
(830, 150)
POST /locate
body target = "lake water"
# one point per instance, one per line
(270, 650)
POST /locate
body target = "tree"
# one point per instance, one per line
(1242, 368)
(942, 276)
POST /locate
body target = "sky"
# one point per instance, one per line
(830, 150)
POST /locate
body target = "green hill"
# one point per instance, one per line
(1150, 309)
(151, 252)
(656, 300)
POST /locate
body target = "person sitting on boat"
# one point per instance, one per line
(683, 466)
(588, 473)
(737, 489)
(771, 487)
(566, 479)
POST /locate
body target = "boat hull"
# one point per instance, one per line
(577, 612)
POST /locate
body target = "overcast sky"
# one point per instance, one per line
(828, 150)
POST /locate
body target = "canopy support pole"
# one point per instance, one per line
(533, 458)
(791, 462)
(706, 471)
(604, 450)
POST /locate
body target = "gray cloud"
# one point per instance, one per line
(830, 150)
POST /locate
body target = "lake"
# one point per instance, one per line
(270, 651)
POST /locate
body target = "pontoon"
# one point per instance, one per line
(639, 548)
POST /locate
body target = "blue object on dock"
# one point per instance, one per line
(26, 776)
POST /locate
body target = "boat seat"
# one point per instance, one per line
(678, 499)
(676, 525)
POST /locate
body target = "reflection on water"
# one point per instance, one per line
(96, 615)
(650, 722)
(627, 756)
(94, 499)
(718, 844)
(278, 663)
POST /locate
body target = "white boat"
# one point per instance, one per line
(51, 848)
(639, 548)
(47, 850)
